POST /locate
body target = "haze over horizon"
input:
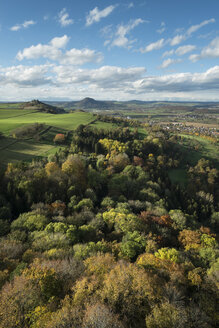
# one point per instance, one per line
(109, 50)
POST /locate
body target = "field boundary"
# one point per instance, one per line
(17, 115)
(11, 144)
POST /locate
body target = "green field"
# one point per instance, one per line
(205, 149)
(25, 151)
(103, 125)
(10, 105)
(65, 121)
(12, 150)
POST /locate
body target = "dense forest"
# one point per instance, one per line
(97, 236)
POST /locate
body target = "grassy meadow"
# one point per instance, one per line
(19, 117)
(12, 117)
(196, 147)
(193, 149)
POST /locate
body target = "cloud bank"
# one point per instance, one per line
(210, 51)
(53, 51)
(107, 82)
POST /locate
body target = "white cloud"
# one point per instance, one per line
(107, 82)
(180, 51)
(168, 53)
(53, 51)
(181, 37)
(211, 51)
(185, 49)
(95, 15)
(167, 62)
(80, 57)
(25, 76)
(194, 57)
(64, 19)
(181, 82)
(103, 77)
(177, 39)
(195, 28)
(26, 24)
(121, 39)
(60, 42)
(162, 28)
(153, 46)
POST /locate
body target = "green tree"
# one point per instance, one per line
(166, 253)
(166, 316)
(133, 243)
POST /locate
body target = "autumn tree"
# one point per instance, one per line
(59, 138)
(100, 316)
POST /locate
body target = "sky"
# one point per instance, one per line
(109, 50)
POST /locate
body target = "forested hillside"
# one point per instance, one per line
(97, 235)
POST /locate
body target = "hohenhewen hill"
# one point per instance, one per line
(42, 107)
(90, 103)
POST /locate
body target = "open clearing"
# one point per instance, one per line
(205, 148)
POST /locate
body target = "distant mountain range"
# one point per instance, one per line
(90, 104)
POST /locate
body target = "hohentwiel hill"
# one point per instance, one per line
(42, 107)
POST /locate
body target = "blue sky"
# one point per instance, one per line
(117, 50)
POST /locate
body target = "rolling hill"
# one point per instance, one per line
(42, 107)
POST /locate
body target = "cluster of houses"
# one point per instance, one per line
(190, 128)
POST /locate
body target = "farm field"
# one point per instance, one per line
(25, 151)
(10, 105)
(12, 150)
(65, 121)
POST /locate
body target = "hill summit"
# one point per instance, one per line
(87, 103)
(42, 107)
(90, 103)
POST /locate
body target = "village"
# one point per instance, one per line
(191, 128)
